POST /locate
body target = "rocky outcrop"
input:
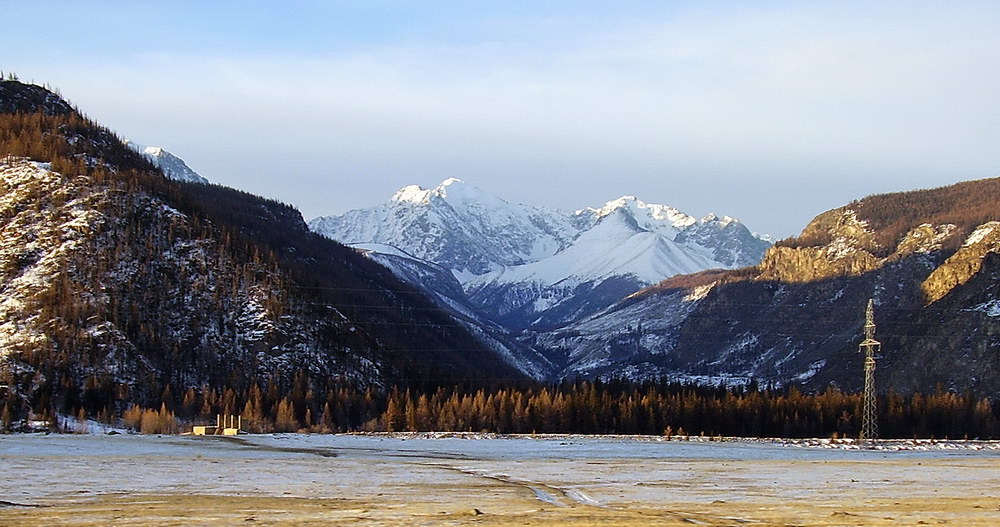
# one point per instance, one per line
(837, 243)
(964, 263)
(834, 244)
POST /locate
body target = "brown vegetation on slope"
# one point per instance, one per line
(889, 217)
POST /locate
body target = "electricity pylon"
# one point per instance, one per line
(870, 347)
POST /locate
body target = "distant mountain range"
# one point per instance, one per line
(532, 267)
(577, 288)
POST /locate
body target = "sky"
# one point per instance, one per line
(768, 111)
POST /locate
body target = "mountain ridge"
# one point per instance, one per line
(532, 267)
(795, 318)
(172, 166)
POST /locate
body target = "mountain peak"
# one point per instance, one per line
(153, 150)
(722, 221)
(451, 189)
(172, 166)
(646, 214)
(411, 194)
(620, 203)
(455, 190)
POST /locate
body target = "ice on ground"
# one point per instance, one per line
(567, 470)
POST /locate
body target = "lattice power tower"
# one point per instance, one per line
(871, 348)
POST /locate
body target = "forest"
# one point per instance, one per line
(184, 284)
(585, 407)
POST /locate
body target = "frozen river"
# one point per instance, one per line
(386, 480)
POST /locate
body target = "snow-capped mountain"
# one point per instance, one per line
(534, 267)
(172, 166)
(457, 226)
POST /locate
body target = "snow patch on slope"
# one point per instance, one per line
(981, 233)
(172, 166)
(613, 247)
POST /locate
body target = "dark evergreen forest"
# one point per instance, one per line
(584, 407)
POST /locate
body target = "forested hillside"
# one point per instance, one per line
(890, 217)
(118, 285)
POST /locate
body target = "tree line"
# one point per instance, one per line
(582, 407)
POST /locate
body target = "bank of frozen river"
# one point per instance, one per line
(427, 477)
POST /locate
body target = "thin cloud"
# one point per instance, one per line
(681, 109)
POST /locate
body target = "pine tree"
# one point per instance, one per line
(285, 420)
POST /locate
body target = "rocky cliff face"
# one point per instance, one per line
(964, 263)
(848, 251)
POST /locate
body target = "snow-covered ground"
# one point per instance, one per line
(308, 465)
(500, 475)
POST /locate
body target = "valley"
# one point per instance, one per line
(500, 264)
(129, 283)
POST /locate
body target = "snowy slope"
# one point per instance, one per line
(172, 166)
(615, 246)
(447, 293)
(625, 245)
(455, 225)
(534, 267)
(630, 340)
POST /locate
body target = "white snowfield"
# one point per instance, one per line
(612, 247)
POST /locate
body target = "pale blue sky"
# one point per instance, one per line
(768, 111)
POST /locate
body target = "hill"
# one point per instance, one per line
(121, 286)
(929, 258)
